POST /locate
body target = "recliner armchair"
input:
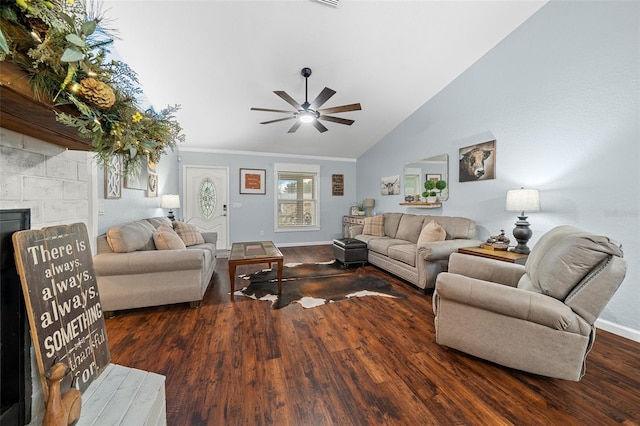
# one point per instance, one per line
(536, 317)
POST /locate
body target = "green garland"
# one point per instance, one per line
(63, 44)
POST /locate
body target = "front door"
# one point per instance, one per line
(205, 204)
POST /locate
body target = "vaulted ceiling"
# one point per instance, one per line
(217, 59)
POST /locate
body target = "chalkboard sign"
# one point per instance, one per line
(63, 304)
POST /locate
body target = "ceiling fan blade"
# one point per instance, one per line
(272, 110)
(337, 119)
(278, 119)
(343, 108)
(288, 99)
(295, 126)
(322, 98)
(318, 125)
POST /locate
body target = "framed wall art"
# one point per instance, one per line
(152, 185)
(113, 178)
(137, 179)
(390, 185)
(337, 185)
(478, 162)
(252, 181)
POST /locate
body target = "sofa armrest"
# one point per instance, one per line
(140, 262)
(492, 270)
(441, 250)
(507, 301)
(210, 237)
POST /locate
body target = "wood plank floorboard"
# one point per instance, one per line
(366, 361)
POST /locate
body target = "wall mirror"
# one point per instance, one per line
(434, 168)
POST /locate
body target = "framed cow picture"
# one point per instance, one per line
(478, 162)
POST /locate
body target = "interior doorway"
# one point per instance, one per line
(206, 200)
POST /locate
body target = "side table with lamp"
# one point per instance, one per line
(170, 201)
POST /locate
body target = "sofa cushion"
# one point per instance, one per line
(166, 238)
(405, 253)
(161, 220)
(381, 245)
(410, 227)
(565, 252)
(133, 236)
(391, 222)
(432, 232)
(189, 233)
(374, 226)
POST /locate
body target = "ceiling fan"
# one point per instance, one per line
(309, 112)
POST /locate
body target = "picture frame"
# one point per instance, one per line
(477, 162)
(137, 179)
(152, 185)
(113, 178)
(390, 185)
(354, 210)
(252, 181)
(434, 176)
(337, 185)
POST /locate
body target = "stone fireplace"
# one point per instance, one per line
(56, 186)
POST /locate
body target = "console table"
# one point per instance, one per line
(502, 255)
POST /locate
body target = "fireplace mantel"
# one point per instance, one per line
(21, 112)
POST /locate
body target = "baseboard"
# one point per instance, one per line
(620, 330)
(313, 243)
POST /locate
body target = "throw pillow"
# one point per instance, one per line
(166, 238)
(131, 237)
(189, 233)
(374, 226)
(432, 232)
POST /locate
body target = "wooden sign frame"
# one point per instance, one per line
(63, 305)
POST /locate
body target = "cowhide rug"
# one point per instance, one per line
(314, 284)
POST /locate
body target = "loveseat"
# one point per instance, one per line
(153, 262)
(415, 247)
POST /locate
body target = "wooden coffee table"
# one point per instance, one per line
(248, 253)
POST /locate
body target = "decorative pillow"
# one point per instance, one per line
(131, 237)
(157, 221)
(166, 238)
(432, 232)
(374, 226)
(355, 230)
(189, 233)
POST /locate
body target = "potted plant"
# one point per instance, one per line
(441, 185)
(429, 193)
(361, 209)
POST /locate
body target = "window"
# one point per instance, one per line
(297, 203)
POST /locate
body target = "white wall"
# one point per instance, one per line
(561, 97)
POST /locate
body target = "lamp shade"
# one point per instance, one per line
(170, 201)
(369, 202)
(523, 200)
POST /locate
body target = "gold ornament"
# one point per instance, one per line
(97, 93)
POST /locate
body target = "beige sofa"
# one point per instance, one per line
(132, 272)
(396, 248)
(538, 317)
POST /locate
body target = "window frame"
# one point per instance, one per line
(302, 169)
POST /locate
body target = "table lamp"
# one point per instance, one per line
(522, 200)
(170, 201)
(369, 203)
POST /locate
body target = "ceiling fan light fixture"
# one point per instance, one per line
(307, 116)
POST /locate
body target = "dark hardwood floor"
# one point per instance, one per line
(367, 361)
